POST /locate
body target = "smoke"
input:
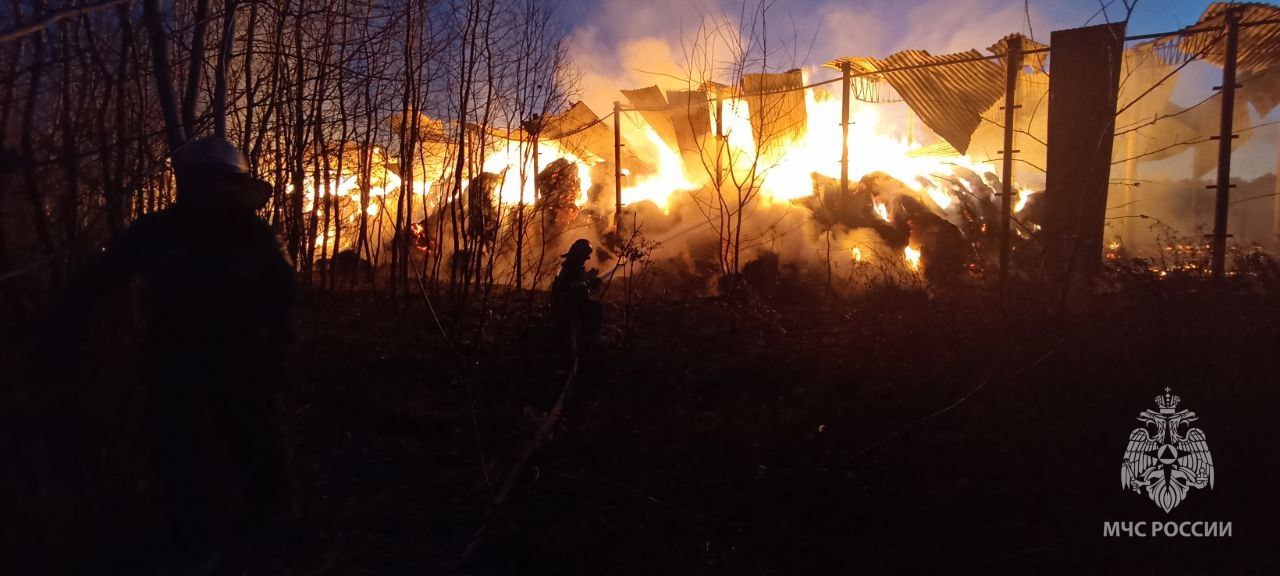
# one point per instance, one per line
(623, 44)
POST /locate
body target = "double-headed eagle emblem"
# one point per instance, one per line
(1167, 463)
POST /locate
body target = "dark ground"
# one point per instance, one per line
(889, 434)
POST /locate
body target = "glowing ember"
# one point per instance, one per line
(419, 234)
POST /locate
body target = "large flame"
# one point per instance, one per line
(783, 172)
(665, 181)
(382, 181)
(780, 171)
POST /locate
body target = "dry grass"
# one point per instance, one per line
(887, 433)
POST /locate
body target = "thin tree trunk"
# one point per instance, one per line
(26, 145)
(70, 154)
(194, 67)
(220, 72)
(153, 19)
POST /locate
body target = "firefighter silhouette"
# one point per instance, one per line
(217, 294)
(571, 302)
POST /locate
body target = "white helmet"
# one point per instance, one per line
(210, 153)
(214, 159)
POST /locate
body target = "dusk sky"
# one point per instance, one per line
(619, 44)
(623, 43)
(821, 30)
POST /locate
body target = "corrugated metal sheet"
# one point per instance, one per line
(948, 92)
(873, 90)
(1258, 48)
(653, 107)
(776, 104)
(939, 150)
(1262, 89)
(1144, 97)
(1144, 69)
(432, 139)
(1257, 64)
(1169, 49)
(579, 130)
(690, 114)
(1035, 59)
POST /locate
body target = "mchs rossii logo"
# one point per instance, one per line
(1166, 456)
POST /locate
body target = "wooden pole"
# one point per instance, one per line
(536, 166)
(1275, 215)
(911, 129)
(721, 144)
(1013, 67)
(617, 166)
(537, 126)
(844, 128)
(1218, 246)
(1130, 190)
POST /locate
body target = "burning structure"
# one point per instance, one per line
(757, 165)
(776, 163)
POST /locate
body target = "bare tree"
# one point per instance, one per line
(730, 60)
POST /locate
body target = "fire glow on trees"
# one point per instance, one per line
(786, 171)
(755, 158)
(336, 198)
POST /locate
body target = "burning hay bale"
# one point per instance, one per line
(761, 277)
(420, 236)
(350, 269)
(482, 220)
(932, 244)
(558, 189)
(482, 209)
(861, 207)
(944, 253)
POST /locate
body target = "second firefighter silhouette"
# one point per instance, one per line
(572, 304)
(218, 296)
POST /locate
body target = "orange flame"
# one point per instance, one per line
(785, 168)
(912, 255)
(882, 210)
